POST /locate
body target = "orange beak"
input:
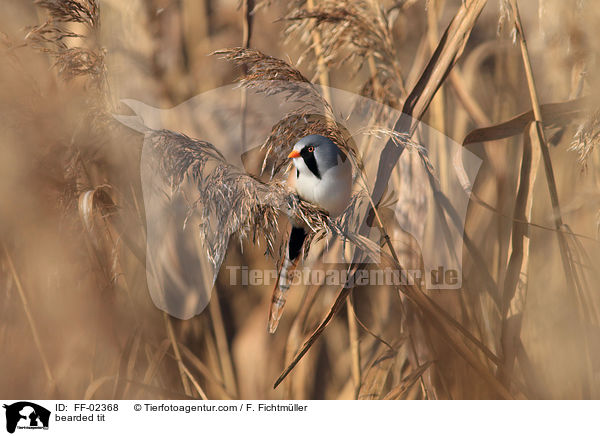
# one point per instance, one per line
(294, 154)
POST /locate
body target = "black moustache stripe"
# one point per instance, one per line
(311, 163)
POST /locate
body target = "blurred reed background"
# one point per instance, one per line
(76, 320)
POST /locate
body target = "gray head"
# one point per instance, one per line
(317, 154)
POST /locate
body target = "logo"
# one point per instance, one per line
(26, 415)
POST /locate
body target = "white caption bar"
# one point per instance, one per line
(22, 417)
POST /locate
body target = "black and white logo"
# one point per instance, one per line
(26, 415)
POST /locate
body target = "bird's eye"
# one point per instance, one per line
(311, 149)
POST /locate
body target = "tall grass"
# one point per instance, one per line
(513, 81)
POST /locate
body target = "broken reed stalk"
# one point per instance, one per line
(554, 114)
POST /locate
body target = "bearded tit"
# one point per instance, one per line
(323, 178)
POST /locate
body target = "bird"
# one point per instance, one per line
(323, 178)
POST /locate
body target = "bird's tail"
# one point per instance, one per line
(282, 286)
(286, 277)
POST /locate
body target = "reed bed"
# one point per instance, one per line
(513, 82)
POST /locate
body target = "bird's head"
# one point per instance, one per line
(316, 154)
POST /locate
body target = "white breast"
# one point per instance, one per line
(331, 192)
